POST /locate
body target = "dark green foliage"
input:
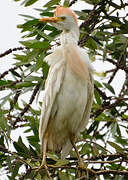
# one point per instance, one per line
(104, 33)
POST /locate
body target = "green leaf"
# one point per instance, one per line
(21, 148)
(5, 98)
(9, 161)
(51, 3)
(93, 127)
(27, 16)
(24, 84)
(97, 97)
(36, 44)
(30, 23)
(49, 14)
(16, 169)
(116, 147)
(62, 162)
(33, 138)
(91, 43)
(98, 84)
(4, 83)
(33, 78)
(3, 123)
(82, 15)
(39, 62)
(86, 149)
(45, 70)
(109, 87)
(66, 3)
(118, 130)
(45, 35)
(1, 137)
(33, 151)
(63, 176)
(38, 177)
(34, 126)
(3, 158)
(115, 24)
(20, 57)
(92, 1)
(53, 157)
(30, 2)
(15, 73)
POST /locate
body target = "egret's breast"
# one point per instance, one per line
(70, 103)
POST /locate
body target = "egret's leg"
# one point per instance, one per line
(43, 163)
(77, 153)
(44, 149)
(82, 165)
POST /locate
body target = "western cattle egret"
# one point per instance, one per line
(68, 93)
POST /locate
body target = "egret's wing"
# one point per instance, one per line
(81, 55)
(52, 87)
(90, 92)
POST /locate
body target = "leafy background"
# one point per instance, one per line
(103, 145)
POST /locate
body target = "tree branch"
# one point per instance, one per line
(6, 72)
(101, 93)
(99, 111)
(18, 119)
(116, 172)
(11, 84)
(10, 51)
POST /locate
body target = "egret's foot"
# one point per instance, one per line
(83, 166)
(44, 166)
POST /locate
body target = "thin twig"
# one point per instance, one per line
(99, 111)
(13, 83)
(101, 93)
(18, 119)
(10, 51)
(89, 20)
(6, 72)
(112, 76)
(117, 172)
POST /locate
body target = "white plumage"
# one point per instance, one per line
(68, 93)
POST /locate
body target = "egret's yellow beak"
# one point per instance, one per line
(51, 19)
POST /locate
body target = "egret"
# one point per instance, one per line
(68, 92)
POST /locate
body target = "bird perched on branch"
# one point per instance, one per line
(68, 93)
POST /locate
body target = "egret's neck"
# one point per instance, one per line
(69, 36)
